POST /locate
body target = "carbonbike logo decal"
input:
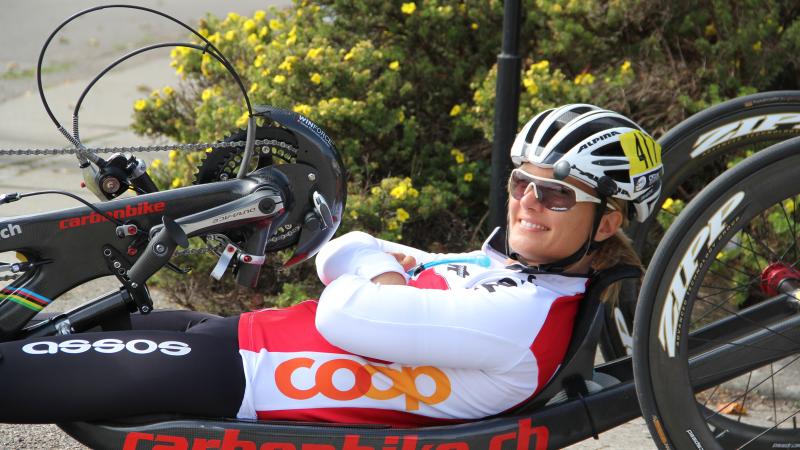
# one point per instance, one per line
(523, 434)
(136, 346)
(684, 276)
(403, 381)
(733, 130)
(128, 211)
(10, 230)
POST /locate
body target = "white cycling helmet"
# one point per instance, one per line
(603, 149)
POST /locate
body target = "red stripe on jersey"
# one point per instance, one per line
(429, 279)
(289, 329)
(356, 416)
(552, 342)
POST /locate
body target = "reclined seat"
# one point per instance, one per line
(566, 411)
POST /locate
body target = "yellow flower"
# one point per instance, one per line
(625, 67)
(242, 120)
(710, 30)
(207, 94)
(214, 38)
(584, 79)
(249, 25)
(140, 104)
(252, 39)
(402, 215)
(375, 190)
(232, 16)
(413, 192)
(474, 26)
(667, 205)
(408, 8)
(399, 191)
(757, 47)
(263, 31)
(394, 65)
(458, 155)
(316, 78)
(530, 86)
(468, 177)
(279, 79)
(392, 224)
(155, 164)
(350, 55)
(259, 61)
(275, 24)
(401, 117)
(541, 65)
(313, 53)
(230, 35)
(302, 109)
(176, 182)
(556, 8)
(287, 63)
(354, 214)
(253, 88)
(173, 154)
(168, 90)
(155, 93)
(159, 102)
(455, 110)
(259, 15)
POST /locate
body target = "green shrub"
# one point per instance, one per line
(406, 89)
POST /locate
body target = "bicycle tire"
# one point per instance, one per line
(713, 136)
(689, 261)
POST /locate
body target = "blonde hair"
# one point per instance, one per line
(618, 249)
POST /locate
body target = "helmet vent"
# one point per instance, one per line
(620, 176)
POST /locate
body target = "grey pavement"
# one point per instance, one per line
(105, 118)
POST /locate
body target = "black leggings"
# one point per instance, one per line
(170, 362)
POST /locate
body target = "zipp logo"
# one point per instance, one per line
(684, 276)
(403, 381)
(10, 230)
(136, 346)
(733, 130)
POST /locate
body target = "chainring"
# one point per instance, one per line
(222, 164)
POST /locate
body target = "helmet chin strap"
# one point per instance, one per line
(562, 264)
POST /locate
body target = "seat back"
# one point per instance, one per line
(578, 363)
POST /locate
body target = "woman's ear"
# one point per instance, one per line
(609, 224)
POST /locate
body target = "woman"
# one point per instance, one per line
(399, 336)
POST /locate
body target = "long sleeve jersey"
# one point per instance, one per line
(469, 336)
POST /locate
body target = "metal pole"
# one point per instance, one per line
(505, 114)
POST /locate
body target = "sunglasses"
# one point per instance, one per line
(554, 195)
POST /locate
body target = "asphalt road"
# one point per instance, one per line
(74, 58)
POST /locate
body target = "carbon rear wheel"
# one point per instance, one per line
(694, 152)
(717, 331)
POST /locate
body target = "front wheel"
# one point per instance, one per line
(717, 329)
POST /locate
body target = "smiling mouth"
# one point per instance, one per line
(532, 226)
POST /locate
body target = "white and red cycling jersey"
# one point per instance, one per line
(468, 337)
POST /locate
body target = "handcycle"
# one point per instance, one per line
(274, 203)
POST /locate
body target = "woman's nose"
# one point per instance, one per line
(530, 201)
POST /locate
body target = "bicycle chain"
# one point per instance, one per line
(144, 149)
